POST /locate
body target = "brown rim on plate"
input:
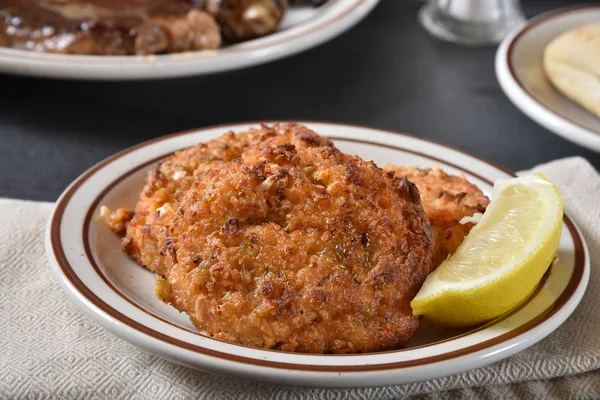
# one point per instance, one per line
(509, 53)
(65, 266)
(295, 33)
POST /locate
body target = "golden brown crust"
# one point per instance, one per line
(446, 199)
(282, 241)
(166, 185)
(117, 221)
(274, 238)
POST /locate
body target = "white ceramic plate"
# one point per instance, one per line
(301, 29)
(115, 292)
(519, 68)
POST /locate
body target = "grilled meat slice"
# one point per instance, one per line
(106, 27)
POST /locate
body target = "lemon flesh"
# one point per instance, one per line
(503, 258)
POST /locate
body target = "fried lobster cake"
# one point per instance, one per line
(274, 238)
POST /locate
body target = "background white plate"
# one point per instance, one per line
(115, 292)
(301, 29)
(519, 68)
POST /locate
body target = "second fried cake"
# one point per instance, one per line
(448, 200)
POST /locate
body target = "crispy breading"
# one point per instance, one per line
(447, 199)
(274, 238)
(167, 183)
(282, 241)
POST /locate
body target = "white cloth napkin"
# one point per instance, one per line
(48, 349)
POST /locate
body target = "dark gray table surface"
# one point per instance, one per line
(386, 73)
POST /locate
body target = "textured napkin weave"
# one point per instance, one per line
(48, 349)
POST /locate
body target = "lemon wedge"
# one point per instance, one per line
(503, 258)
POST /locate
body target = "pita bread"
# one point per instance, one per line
(572, 63)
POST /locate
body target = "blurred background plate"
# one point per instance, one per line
(520, 73)
(301, 29)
